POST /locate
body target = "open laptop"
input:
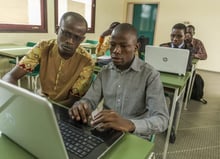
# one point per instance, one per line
(170, 60)
(40, 127)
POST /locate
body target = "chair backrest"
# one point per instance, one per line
(92, 41)
(35, 72)
(152, 138)
(30, 44)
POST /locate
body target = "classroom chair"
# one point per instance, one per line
(32, 78)
(152, 139)
(91, 41)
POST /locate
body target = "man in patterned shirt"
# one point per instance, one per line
(65, 67)
(199, 50)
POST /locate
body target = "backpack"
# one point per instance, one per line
(198, 89)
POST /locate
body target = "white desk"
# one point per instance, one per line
(90, 47)
(13, 51)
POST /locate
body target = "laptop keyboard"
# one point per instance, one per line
(76, 141)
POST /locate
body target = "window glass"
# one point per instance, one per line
(84, 7)
(23, 16)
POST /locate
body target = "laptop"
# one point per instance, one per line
(40, 126)
(169, 60)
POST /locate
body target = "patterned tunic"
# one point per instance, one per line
(59, 78)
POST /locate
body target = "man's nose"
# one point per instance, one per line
(71, 40)
(117, 49)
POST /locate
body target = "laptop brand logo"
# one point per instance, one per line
(165, 59)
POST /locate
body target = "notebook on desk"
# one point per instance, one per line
(45, 129)
(170, 60)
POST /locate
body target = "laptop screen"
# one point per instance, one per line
(170, 60)
(33, 122)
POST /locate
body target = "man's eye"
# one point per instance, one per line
(112, 45)
(124, 46)
(67, 34)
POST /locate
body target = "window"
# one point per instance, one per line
(84, 7)
(23, 16)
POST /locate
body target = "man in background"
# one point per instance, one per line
(177, 38)
(65, 67)
(199, 50)
(104, 39)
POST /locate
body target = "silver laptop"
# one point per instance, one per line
(45, 129)
(170, 60)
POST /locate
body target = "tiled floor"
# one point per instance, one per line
(198, 136)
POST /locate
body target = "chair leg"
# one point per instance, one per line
(29, 82)
(35, 84)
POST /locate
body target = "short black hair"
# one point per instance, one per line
(126, 27)
(191, 26)
(114, 24)
(180, 26)
(76, 16)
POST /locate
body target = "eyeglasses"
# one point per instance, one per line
(71, 36)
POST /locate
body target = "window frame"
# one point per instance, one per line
(29, 28)
(90, 29)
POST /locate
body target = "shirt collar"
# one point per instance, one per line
(136, 65)
(180, 46)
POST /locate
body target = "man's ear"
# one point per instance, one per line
(57, 29)
(138, 45)
(82, 39)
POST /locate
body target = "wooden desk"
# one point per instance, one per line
(130, 147)
(177, 84)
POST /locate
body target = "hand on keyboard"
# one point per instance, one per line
(80, 111)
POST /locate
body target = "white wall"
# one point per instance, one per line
(107, 11)
(203, 14)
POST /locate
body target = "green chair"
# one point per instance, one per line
(107, 53)
(30, 44)
(152, 138)
(33, 78)
(91, 41)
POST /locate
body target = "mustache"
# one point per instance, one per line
(114, 55)
(68, 46)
